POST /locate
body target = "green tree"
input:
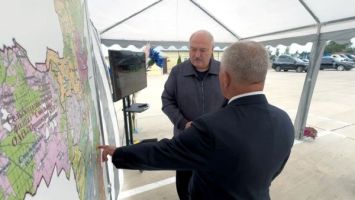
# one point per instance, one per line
(333, 47)
(304, 55)
(296, 54)
(277, 53)
(178, 60)
(271, 56)
(349, 48)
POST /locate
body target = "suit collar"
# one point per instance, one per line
(190, 69)
(245, 94)
(252, 99)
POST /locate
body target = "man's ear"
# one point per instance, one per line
(226, 79)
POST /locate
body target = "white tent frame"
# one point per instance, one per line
(319, 40)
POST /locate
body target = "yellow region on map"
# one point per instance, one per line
(65, 73)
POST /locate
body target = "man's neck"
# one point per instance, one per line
(243, 89)
(201, 69)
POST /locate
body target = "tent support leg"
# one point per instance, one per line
(308, 86)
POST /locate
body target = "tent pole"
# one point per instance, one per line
(309, 84)
(215, 19)
(127, 18)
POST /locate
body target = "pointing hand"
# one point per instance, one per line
(106, 150)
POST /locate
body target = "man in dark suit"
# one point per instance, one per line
(235, 152)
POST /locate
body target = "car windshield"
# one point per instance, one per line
(299, 60)
(339, 59)
(347, 60)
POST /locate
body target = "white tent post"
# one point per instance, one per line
(308, 86)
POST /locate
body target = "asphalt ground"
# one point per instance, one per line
(319, 169)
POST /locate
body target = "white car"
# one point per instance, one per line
(341, 57)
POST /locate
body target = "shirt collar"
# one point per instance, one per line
(244, 95)
(213, 68)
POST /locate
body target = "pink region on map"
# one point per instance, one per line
(4, 181)
(81, 55)
(50, 149)
(30, 70)
(7, 101)
(6, 108)
(53, 153)
(53, 148)
(75, 114)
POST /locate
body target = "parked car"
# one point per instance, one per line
(329, 62)
(286, 62)
(305, 60)
(350, 56)
(340, 57)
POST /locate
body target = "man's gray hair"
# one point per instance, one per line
(247, 61)
(208, 34)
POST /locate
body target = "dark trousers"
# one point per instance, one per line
(182, 184)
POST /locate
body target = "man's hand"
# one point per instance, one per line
(188, 124)
(106, 150)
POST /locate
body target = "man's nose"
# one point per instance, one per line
(198, 53)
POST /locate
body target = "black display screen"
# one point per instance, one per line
(128, 72)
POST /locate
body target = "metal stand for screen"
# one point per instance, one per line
(128, 109)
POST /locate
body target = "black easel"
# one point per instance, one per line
(128, 109)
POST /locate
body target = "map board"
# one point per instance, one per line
(50, 123)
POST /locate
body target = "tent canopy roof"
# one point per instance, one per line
(171, 22)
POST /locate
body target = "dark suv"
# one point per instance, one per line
(286, 62)
(332, 63)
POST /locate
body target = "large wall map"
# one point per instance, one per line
(49, 121)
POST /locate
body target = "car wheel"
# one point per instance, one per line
(277, 68)
(299, 69)
(285, 70)
(340, 68)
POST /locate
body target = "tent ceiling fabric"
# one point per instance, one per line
(253, 17)
(171, 22)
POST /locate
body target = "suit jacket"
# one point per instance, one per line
(234, 153)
